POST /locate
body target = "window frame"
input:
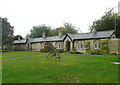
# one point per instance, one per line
(59, 46)
(80, 46)
(97, 45)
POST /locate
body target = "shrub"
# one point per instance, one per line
(73, 49)
(59, 50)
(104, 45)
(97, 52)
(74, 52)
(43, 50)
(87, 45)
(47, 47)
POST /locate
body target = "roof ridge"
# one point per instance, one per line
(46, 37)
(89, 32)
(106, 30)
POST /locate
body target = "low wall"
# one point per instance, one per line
(114, 46)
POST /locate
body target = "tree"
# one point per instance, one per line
(36, 31)
(109, 21)
(66, 28)
(48, 47)
(69, 28)
(7, 33)
(18, 37)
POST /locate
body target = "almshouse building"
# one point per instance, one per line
(83, 42)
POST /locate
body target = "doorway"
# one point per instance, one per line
(67, 46)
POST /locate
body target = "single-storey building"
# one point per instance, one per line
(83, 42)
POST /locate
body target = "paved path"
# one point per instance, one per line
(116, 62)
(22, 57)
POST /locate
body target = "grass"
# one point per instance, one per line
(73, 68)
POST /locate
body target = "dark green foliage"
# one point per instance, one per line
(87, 45)
(7, 32)
(104, 45)
(67, 28)
(36, 31)
(109, 21)
(97, 52)
(59, 50)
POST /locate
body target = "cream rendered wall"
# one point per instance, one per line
(21, 47)
(78, 42)
(35, 46)
(58, 43)
(40, 45)
(92, 43)
(84, 42)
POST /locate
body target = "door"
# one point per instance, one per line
(67, 46)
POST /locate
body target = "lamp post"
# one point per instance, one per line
(116, 14)
(119, 8)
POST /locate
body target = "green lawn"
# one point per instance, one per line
(73, 68)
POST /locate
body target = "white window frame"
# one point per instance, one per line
(97, 45)
(80, 46)
(59, 46)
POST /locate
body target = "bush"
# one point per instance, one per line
(59, 50)
(44, 50)
(97, 52)
(104, 45)
(74, 52)
(87, 45)
(3, 50)
(48, 47)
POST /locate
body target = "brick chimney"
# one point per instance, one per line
(59, 33)
(19, 38)
(43, 35)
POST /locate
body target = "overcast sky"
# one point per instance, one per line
(24, 14)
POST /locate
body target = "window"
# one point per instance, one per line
(59, 46)
(80, 46)
(97, 45)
